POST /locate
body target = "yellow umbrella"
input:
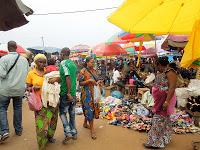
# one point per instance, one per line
(157, 16)
(192, 49)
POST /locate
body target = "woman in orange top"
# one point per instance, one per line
(46, 118)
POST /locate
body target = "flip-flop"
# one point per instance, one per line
(150, 147)
(86, 126)
(93, 136)
(51, 140)
(66, 140)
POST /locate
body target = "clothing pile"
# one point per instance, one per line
(50, 92)
(193, 87)
(135, 116)
(147, 99)
(183, 123)
(184, 94)
(126, 114)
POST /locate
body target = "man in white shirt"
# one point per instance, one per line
(116, 75)
(13, 72)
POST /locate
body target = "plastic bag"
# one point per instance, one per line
(97, 94)
(97, 98)
(34, 101)
(117, 94)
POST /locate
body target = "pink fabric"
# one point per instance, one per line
(131, 81)
(159, 100)
(51, 68)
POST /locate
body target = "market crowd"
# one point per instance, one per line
(51, 91)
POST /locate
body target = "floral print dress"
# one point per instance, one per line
(160, 133)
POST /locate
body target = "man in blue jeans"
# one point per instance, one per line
(13, 72)
(68, 72)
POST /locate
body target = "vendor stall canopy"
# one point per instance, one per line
(39, 49)
(12, 14)
(157, 16)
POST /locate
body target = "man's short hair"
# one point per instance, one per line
(12, 45)
(65, 51)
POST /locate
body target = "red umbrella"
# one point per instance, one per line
(3, 52)
(20, 50)
(4, 49)
(108, 50)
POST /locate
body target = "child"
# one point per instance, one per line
(51, 65)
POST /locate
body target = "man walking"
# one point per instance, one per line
(13, 72)
(68, 71)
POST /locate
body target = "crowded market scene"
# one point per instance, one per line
(130, 82)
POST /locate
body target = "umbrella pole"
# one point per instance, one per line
(155, 44)
(106, 65)
(139, 55)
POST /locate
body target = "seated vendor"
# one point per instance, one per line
(132, 74)
(117, 79)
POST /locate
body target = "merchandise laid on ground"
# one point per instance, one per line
(133, 115)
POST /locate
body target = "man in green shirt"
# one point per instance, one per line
(68, 71)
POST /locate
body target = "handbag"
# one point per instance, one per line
(96, 110)
(34, 101)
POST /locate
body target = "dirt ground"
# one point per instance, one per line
(109, 137)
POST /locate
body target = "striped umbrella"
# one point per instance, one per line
(80, 48)
(125, 37)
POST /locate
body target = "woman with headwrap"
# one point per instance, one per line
(88, 79)
(46, 118)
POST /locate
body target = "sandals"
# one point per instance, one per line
(51, 140)
(150, 147)
(93, 136)
(67, 139)
(86, 126)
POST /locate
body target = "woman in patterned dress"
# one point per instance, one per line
(87, 81)
(165, 100)
(46, 118)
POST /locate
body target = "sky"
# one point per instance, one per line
(89, 28)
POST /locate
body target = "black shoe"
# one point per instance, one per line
(18, 133)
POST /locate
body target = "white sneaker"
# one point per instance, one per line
(4, 137)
